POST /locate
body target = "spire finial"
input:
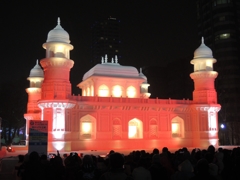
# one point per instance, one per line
(37, 61)
(116, 59)
(102, 60)
(140, 70)
(106, 58)
(58, 21)
(202, 40)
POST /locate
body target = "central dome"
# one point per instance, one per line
(58, 34)
(113, 70)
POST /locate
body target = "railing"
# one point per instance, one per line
(129, 100)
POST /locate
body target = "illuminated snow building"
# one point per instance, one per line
(115, 110)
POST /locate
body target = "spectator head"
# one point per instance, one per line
(87, 159)
(116, 160)
(156, 158)
(155, 151)
(33, 156)
(164, 150)
(202, 166)
(43, 157)
(185, 166)
(20, 158)
(211, 149)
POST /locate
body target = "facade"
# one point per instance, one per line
(105, 39)
(115, 110)
(219, 23)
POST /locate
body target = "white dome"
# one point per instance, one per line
(36, 71)
(58, 34)
(203, 51)
(112, 69)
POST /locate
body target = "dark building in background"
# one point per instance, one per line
(105, 39)
(219, 24)
(170, 81)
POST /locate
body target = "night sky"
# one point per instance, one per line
(153, 32)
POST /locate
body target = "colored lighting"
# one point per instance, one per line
(86, 127)
(222, 126)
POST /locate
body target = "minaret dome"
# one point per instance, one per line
(58, 34)
(203, 51)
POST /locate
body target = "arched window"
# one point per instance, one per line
(92, 91)
(135, 129)
(117, 91)
(88, 91)
(131, 92)
(153, 128)
(103, 91)
(177, 126)
(84, 92)
(117, 129)
(87, 127)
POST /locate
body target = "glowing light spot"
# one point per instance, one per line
(88, 91)
(58, 145)
(131, 92)
(86, 127)
(175, 128)
(103, 91)
(132, 131)
(135, 129)
(117, 91)
(58, 134)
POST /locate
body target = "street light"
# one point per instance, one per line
(223, 132)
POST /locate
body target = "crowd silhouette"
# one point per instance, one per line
(210, 163)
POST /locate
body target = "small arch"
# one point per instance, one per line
(87, 127)
(92, 91)
(153, 128)
(135, 129)
(103, 91)
(177, 127)
(88, 91)
(131, 92)
(117, 91)
(117, 129)
(84, 92)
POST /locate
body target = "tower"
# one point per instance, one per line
(56, 87)
(204, 76)
(36, 77)
(205, 96)
(105, 39)
(218, 22)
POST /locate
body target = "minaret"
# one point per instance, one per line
(144, 86)
(57, 65)
(205, 121)
(204, 76)
(36, 77)
(56, 87)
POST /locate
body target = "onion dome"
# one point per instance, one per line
(203, 51)
(58, 34)
(36, 71)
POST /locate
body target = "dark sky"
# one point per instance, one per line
(153, 32)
